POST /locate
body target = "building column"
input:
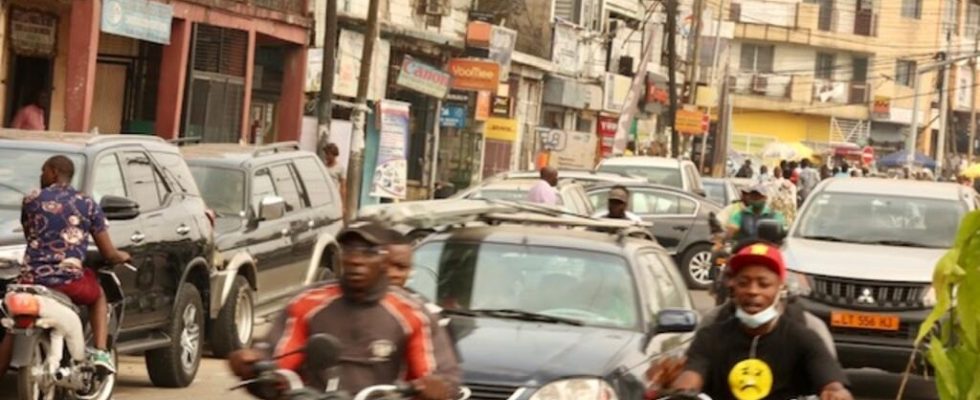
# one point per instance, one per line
(173, 80)
(246, 131)
(83, 50)
(292, 97)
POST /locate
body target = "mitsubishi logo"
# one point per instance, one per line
(866, 297)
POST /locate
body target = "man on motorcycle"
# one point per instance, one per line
(57, 221)
(743, 224)
(760, 353)
(385, 334)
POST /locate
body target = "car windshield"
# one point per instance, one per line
(876, 219)
(715, 191)
(659, 175)
(20, 173)
(223, 189)
(588, 287)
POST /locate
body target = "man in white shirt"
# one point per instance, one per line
(543, 191)
(618, 205)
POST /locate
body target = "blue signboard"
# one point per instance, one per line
(453, 115)
(139, 19)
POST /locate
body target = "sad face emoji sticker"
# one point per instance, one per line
(750, 379)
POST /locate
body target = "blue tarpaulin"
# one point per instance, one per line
(900, 159)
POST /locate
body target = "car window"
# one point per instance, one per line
(648, 284)
(687, 206)
(144, 181)
(262, 187)
(286, 187)
(174, 167)
(655, 203)
(669, 176)
(669, 289)
(224, 188)
(107, 178)
(315, 181)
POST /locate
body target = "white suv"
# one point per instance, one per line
(682, 174)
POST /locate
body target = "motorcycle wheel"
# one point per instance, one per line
(30, 382)
(104, 385)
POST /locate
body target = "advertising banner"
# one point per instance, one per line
(452, 115)
(568, 149)
(423, 78)
(564, 48)
(607, 133)
(32, 33)
(138, 19)
(501, 129)
(349, 66)
(469, 74)
(314, 69)
(502, 42)
(391, 172)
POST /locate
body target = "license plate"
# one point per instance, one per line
(864, 321)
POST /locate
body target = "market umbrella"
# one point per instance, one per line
(786, 151)
(899, 159)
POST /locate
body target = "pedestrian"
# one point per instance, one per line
(783, 196)
(794, 172)
(825, 172)
(331, 155)
(843, 171)
(30, 117)
(543, 191)
(809, 178)
(618, 205)
(855, 173)
(764, 174)
(630, 148)
(784, 165)
(745, 171)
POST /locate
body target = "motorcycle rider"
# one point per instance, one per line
(760, 353)
(743, 224)
(57, 221)
(386, 334)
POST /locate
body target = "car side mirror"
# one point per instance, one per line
(771, 231)
(272, 208)
(675, 320)
(119, 208)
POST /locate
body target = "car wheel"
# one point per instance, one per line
(232, 330)
(696, 266)
(176, 365)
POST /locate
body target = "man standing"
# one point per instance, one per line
(618, 205)
(543, 191)
(745, 171)
(31, 116)
(57, 221)
(809, 178)
(331, 155)
(386, 335)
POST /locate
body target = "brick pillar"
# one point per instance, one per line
(83, 49)
(292, 97)
(246, 130)
(173, 80)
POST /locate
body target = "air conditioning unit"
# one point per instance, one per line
(759, 84)
(436, 7)
(858, 93)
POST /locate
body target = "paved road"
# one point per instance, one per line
(214, 380)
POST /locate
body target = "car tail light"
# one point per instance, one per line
(24, 322)
(22, 305)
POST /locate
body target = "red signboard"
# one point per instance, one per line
(868, 155)
(607, 133)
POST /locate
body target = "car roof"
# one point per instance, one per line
(643, 161)
(576, 174)
(895, 187)
(74, 142)
(544, 236)
(517, 184)
(644, 185)
(236, 155)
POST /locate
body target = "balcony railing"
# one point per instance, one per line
(839, 92)
(862, 22)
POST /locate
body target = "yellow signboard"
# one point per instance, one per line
(692, 122)
(500, 129)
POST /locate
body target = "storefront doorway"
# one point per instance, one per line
(29, 76)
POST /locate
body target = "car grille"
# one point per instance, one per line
(869, 295)
(490, 392)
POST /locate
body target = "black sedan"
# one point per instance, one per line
(543, 313)
(680, 224)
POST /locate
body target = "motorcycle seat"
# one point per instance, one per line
(44, 291)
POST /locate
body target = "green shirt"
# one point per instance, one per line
(735, 220)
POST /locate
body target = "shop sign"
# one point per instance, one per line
(452, 115)
(617, 88)
(501, 106)
(478, 34)
(138, 19)
(564, 92)
(349, 66)
(474, 74)
(483, 104)
(692, 122)
(423, 78)
(656, 98)
(314, 70)
(568, 149)
(606, 127)
(881, 109)
(33, 33)
(564, 48)
(500, 129)
(459, 97)
(502, 42)
(391, 170)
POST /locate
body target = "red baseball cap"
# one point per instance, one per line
(759, 254)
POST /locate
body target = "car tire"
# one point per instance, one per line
(233, 328)
(176, 365)
(696, 266)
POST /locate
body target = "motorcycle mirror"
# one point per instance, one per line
(322, 351)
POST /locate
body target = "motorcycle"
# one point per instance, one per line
(44, 323)
(322, 353)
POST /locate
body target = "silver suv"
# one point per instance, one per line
(862, 252)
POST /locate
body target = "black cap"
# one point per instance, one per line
(373, 232)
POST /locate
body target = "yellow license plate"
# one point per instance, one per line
(864, 321)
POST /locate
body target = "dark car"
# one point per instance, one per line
(548, 312)
(680, 224)
(721, 191)
(278, 212)
(167, 231)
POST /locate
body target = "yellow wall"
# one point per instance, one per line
(785, 127)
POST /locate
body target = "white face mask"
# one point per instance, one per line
(758, 319)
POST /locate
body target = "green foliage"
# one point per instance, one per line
(955, 352)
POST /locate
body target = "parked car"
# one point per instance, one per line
(863, 253)
(680, 224)
(278, 212)
(571, 195)
(584, 176)
(721, 191)
(552, 312)
(682, 174)
(170, 239)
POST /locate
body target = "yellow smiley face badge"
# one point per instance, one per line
(750, 380)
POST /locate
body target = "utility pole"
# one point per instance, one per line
(973, 100)
(355, 171)
(325, 107)
(943, 116)
(692, 69)
(672, 78)
(714, 80)
(721, 132)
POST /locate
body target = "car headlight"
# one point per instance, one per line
(798, 284)
(576, 389)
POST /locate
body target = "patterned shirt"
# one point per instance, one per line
(57, 221)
